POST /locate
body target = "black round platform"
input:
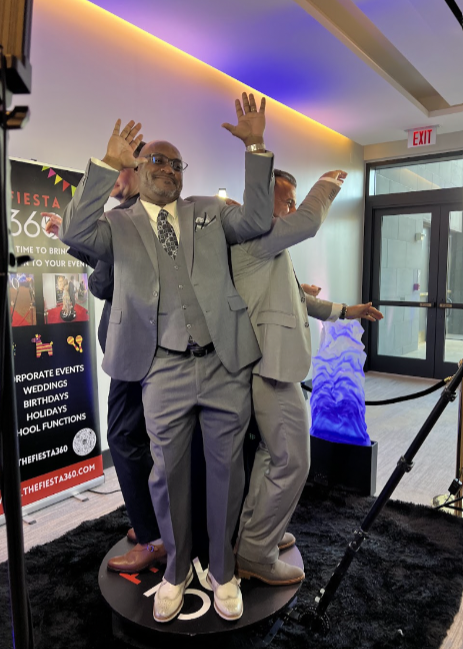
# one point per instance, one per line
(131, 598)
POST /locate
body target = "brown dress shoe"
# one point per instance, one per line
(131, 536)
(286, 542)
(141, 556)
(278, 573)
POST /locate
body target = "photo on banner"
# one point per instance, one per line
(54, 342)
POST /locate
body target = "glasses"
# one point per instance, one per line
(160, 160)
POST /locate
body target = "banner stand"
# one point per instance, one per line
(56, 498)
(51, 312)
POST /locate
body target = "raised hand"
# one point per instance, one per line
(366, 311)
(337, 174)
(53, 223)
(121, 146)
(251, 122)
(311, 289)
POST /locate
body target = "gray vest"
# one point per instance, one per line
(179, 313)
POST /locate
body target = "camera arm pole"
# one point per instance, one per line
(9, 448)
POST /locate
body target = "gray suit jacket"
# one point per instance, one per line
(264, 277)
(125, 239)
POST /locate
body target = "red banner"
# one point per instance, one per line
(60, 480)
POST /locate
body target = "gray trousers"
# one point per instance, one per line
(280, 470)
(177, 390)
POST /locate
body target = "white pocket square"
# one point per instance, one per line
(203, 221)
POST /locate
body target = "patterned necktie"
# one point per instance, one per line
(166, 234)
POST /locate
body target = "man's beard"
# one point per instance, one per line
(163, 191)
(168, 194)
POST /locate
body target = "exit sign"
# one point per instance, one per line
(422, 136)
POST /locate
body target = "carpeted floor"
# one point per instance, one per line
(402, 590)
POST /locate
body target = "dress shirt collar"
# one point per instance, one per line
(153, 210)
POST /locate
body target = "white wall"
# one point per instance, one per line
(89, 68)
(445, 142)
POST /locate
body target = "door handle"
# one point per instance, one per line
(445, 305)
(429, 305)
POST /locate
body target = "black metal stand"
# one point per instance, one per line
(9, 452)
(317, 618)
(450, 505)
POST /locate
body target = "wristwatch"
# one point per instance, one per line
(253, 148)
(342, 315)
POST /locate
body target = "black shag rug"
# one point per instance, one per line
(402, 590)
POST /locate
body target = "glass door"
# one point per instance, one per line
(449, 322)
(413, 264)
(404, 287)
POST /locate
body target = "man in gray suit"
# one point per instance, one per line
(179, 326)
(278, 307)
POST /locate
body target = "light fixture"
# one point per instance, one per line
(222, 193)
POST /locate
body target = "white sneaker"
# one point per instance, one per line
(168, 600)
(228, 601)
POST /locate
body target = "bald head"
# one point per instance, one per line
(160, 183)
(158, 146)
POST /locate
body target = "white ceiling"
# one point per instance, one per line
(369, 69)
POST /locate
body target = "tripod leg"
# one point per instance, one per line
(316, 618)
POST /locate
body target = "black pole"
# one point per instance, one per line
(455, 9)
(11, 497)
(9, 452)
(317, 618)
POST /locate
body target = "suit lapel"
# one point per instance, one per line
(292, 266)
(185, 213)
(142, 222)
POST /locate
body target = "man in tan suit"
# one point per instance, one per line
(278, 306)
